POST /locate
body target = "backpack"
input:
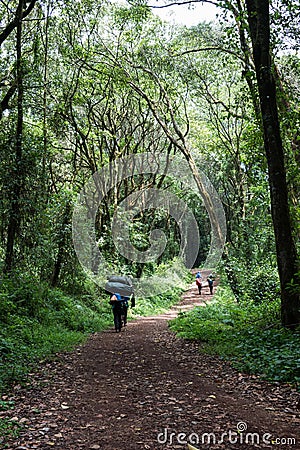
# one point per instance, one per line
(210, 281)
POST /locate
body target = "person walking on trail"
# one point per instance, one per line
(120, 289)
(210, 281)
(120, 307)
(199, 281)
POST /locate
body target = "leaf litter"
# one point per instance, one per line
(145, 388)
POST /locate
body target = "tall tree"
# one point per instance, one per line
(259, 25)
(22, 10)
(14, 214)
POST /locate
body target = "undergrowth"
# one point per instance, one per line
(8, 428)
(156, 304)
(248, 334)
(37, 322)
(163, 289)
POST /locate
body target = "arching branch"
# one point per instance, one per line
(13, 24)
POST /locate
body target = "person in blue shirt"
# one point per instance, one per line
(199, 281)
(120, 307)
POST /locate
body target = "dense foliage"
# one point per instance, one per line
(249, 334)
(39, 321)
(85, 84)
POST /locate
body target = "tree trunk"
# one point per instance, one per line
(61, 254)
(259, 24)
(15, 213)
(176, 137)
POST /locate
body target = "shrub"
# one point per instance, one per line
(37, 322)
(246, 333)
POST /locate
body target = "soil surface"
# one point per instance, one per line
(144, 388)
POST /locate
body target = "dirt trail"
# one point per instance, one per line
(141, 388)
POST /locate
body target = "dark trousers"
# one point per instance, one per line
(119, 311)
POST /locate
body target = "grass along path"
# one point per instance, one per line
(146, 389)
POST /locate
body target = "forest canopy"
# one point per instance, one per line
(85, 84)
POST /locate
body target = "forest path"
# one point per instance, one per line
(141, 388)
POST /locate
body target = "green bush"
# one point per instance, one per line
(8, 428)
(156, 304)
(37, 322)
(249, 334)
(253, 281)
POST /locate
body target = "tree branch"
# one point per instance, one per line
(7, 97)
(188, 2)
(203, 49)
(12, 25)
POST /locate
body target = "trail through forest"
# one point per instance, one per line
(146, 389)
